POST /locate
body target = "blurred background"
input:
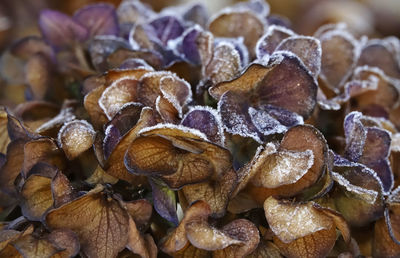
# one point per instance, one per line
(375, 18)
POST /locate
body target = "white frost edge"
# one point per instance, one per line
(269, 32)
(217, 118)
(173, 126)
(306, 38)
(109, 88)
(84, 124)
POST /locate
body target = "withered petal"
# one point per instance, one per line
(100, 223)
(75, 137)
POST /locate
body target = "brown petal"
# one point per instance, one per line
(308, 49)
(100, 223)
(215, 192)
(42, 150)
(177, 239)
(117, 94)
(386, 94)
(38, 75)
(241, 23)
(167, 111)
(282, 168)
(303, 138)
(149, 87)
(266, 249)
(377, 53)
(203, 236)
(117, 58)
(13, 166)
(192, 252)
(99, 176)
(29, 246)
(91, 103)
(267, 44)
(138, 244)
(65, 240)
(140, 211)
(61, 189)
(224, 65)
(359, 188)
(383, 244)
(177, 154)
(318, 244)
(243, 230)
(4, 138)
(176, 90)
(115, 163)
(76, 137)
(253, 75)
(293, 221)
(339, 53)
(37, 197)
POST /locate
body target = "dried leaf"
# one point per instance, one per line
(267, 44)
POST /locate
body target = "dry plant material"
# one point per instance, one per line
(126, 131)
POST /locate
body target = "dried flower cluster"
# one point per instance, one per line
(177, 134)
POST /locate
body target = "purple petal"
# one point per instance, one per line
(239, 45)
(101, 47)
(265, 123)
(112, 138)
(135, 63)
(99, 19)
(197, 14)
(60, 30)
(275, 19)
(120, 124)
(308, 49)
(188, 46)
(355, 134)
(167, 28)
(235, 116)
(164, 201)
(288, 85)
(376, 146)
(285, 117)
(270, 40)
(207, 121)
(384, 172)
